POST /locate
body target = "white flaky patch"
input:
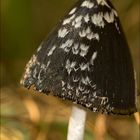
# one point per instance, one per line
(72, 11)
(48, 63)
(89, 34)
(86, 18)
(93, 36)
(87, 4)
(76, 79)
(39, 48)
(68, 20)
(93, 58)
(84, 66)
(82, 33)
(62, 32)
(77, 22)
(63, 83)
(93, 86)
(78, 25)
(109, 17)
(94, 109)
(103, 2)
(97, 19)
(43, 66)
(79, 18)
(86, 91)
(51, 50)
(81, 88)
(104, 100)
(77, 92)
(75, 49)
(88, 105)
(84, 50)
(69, 86)
(67, 45)
(86, 80)
(115, 12)
(32, 62)
(70, 66)
(88, 30)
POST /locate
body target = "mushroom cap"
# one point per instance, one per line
(86, 59)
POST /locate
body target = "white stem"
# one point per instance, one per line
(76, 124)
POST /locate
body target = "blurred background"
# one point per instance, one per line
(27, 115)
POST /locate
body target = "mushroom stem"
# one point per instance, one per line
(76, 124)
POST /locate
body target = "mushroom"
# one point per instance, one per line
(86, 60)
